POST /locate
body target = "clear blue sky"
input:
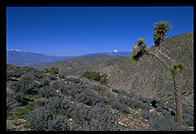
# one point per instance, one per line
(64, 31)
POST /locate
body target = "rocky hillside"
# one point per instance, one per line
(38, 101)
(69, 65)
(147, 77)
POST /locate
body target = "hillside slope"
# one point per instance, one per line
(38, 101)
(75, 63)
(148, 77)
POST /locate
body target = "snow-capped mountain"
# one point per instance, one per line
(20, 58)
(113, 52)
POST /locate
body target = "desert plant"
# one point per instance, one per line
(138, 50)
(177, 68)
(54, 70)
(47, 92)
(102, 119)
(93, 75)
(13, 73)
(119, 106)
(39, 118)
(58, 124)
(52, 77)
(160, 29)
(166, 123)
(12, 99)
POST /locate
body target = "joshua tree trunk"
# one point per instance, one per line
(178, 99)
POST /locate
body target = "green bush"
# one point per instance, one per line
(54, 70)
(92, 75)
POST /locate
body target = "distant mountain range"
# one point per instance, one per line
(111, 53)
(20, 58)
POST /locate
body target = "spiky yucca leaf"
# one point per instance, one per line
(172, 73)
(132, 57)
(140, 41)
(179, 66)
(160, 29)
(162, 26)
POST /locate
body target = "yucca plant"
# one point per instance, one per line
(160, 30)
(139, 49)
(177, 68)
(140, 42)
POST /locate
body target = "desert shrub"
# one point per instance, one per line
(40, 102)
(55, 104)
(89, 98)
(82, 94)
(95, 119)
(99, 88)
(33, 74)
(12, 73)
(12, 99)
(26, 86)
(145, 114)
(119, 106)
(73, 79)
(188, 116)
(28, 76)
(68, 88)
(54, 70)
(15, 86)
(166, 123)
(92, 75)
(145, 100)
(52, 77)
(133, 103)
(39, 118)
(102, 119)
(74, 90)
(58, 124)
(164, 111)
(72, 110)
(80, 114)
(103, 79)
(18, 94)
(116, 90)
(37, 73)
(57, 85)
(45, 82)
(47, 92)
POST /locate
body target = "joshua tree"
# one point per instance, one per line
(139, 49)
(140, 42)
(160, 29)
(177, 69)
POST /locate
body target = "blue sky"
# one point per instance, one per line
(67, 31)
